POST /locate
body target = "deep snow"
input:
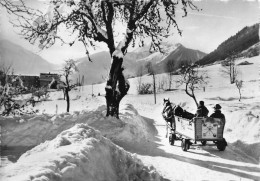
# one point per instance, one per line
(26, 131)
(79, 153)
(141, 129)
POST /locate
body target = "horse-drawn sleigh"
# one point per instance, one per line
(194, 130)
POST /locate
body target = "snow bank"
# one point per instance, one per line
(243, 123)
(79, 153)
(32, 130)
(243, 129)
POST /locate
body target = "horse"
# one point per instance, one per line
(168, 114)
(168, 110)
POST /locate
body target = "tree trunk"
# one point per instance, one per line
(233, 72)
(194, 98)
(191, 94)
(116, 87)
(154, 89)
(66, 91)
(239, 94)
(230, 72)
(67, 99)
(170, 81)
(64, 95)
(230, 75)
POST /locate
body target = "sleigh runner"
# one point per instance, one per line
(198, 129)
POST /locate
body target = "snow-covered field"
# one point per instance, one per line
(77, 150)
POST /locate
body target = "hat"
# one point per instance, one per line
(217, 106)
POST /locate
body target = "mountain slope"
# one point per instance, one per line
(22, 61)
(252, 51)
(179, 56)
(176, 53)
(245, 38)
(97, 70)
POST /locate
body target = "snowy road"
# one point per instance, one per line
(199, 163)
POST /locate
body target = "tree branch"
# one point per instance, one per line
(108, 19)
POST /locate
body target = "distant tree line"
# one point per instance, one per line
(245, 38)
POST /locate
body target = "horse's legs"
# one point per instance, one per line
(166, 129)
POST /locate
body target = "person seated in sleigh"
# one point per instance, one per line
(202, 111)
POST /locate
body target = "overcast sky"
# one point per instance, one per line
(203, 30)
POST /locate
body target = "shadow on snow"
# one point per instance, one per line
(151, 148)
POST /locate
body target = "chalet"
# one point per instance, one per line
(46, 78)
(29, 81)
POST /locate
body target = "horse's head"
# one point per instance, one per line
(166, 102)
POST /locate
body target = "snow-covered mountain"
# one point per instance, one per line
(178, 54)
(98, 69)
(241, 41)
(155, 57)
(22, 61)
(25, 62)
(170, 52)
(94, 71)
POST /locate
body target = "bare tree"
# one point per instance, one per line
(5, 70)
(184, 63)
(170, 67)
(68, 70)
(95, 21)
(139, 73)
(192, 79)
(161, 84)
(151, 71)
(145, 88)
(239, 85)
(230, 69)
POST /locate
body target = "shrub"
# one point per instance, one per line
(145, 88)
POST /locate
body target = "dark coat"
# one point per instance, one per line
(202, 111)
(217, 114)
(178, 111)
(187, 115)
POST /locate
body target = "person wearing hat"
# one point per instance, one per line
(202, 111)
(217, 112)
